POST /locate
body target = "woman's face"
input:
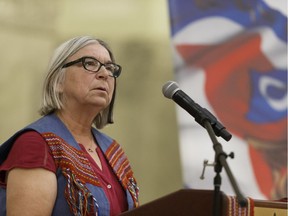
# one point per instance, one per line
(84, 89)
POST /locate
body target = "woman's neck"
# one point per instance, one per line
(79, 126)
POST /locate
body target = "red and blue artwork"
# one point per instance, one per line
(241, 48)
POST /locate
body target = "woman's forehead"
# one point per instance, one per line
(95, 48)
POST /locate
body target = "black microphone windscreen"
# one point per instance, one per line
(169, 89)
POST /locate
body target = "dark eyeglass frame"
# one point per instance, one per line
(115, 74)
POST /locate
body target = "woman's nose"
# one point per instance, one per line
(103, 73)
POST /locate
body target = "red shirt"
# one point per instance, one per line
(109, 183)
(31, 151)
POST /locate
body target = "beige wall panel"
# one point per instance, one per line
(138, 32)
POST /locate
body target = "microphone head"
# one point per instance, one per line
(169, 89)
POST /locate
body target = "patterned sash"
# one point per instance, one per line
(234, 209)
(77, 170)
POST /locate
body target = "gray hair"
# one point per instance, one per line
(52, 99)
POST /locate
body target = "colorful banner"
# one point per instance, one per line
(231, 58)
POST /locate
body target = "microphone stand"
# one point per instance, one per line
(220, 161)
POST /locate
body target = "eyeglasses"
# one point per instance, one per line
(93, 65)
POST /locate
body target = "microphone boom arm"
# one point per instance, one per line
(201, 114)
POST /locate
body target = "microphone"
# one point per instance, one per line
(172, 91)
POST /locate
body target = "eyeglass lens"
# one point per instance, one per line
(94, 65)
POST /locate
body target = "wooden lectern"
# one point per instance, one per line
(200, 203)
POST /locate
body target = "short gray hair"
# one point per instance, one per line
(52, 99)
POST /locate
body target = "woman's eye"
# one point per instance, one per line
(91, 63)
(110, 67)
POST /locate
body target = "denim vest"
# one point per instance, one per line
(53, 126)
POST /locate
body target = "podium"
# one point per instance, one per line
(192, 202)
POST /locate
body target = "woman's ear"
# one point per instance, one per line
(60, 84)
(59, 87)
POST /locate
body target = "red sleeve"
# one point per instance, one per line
(29, 151)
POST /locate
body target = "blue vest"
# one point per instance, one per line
(51, 125)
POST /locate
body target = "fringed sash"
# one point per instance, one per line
(77, 170)
(234, 209)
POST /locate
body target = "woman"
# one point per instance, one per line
(60, 164)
